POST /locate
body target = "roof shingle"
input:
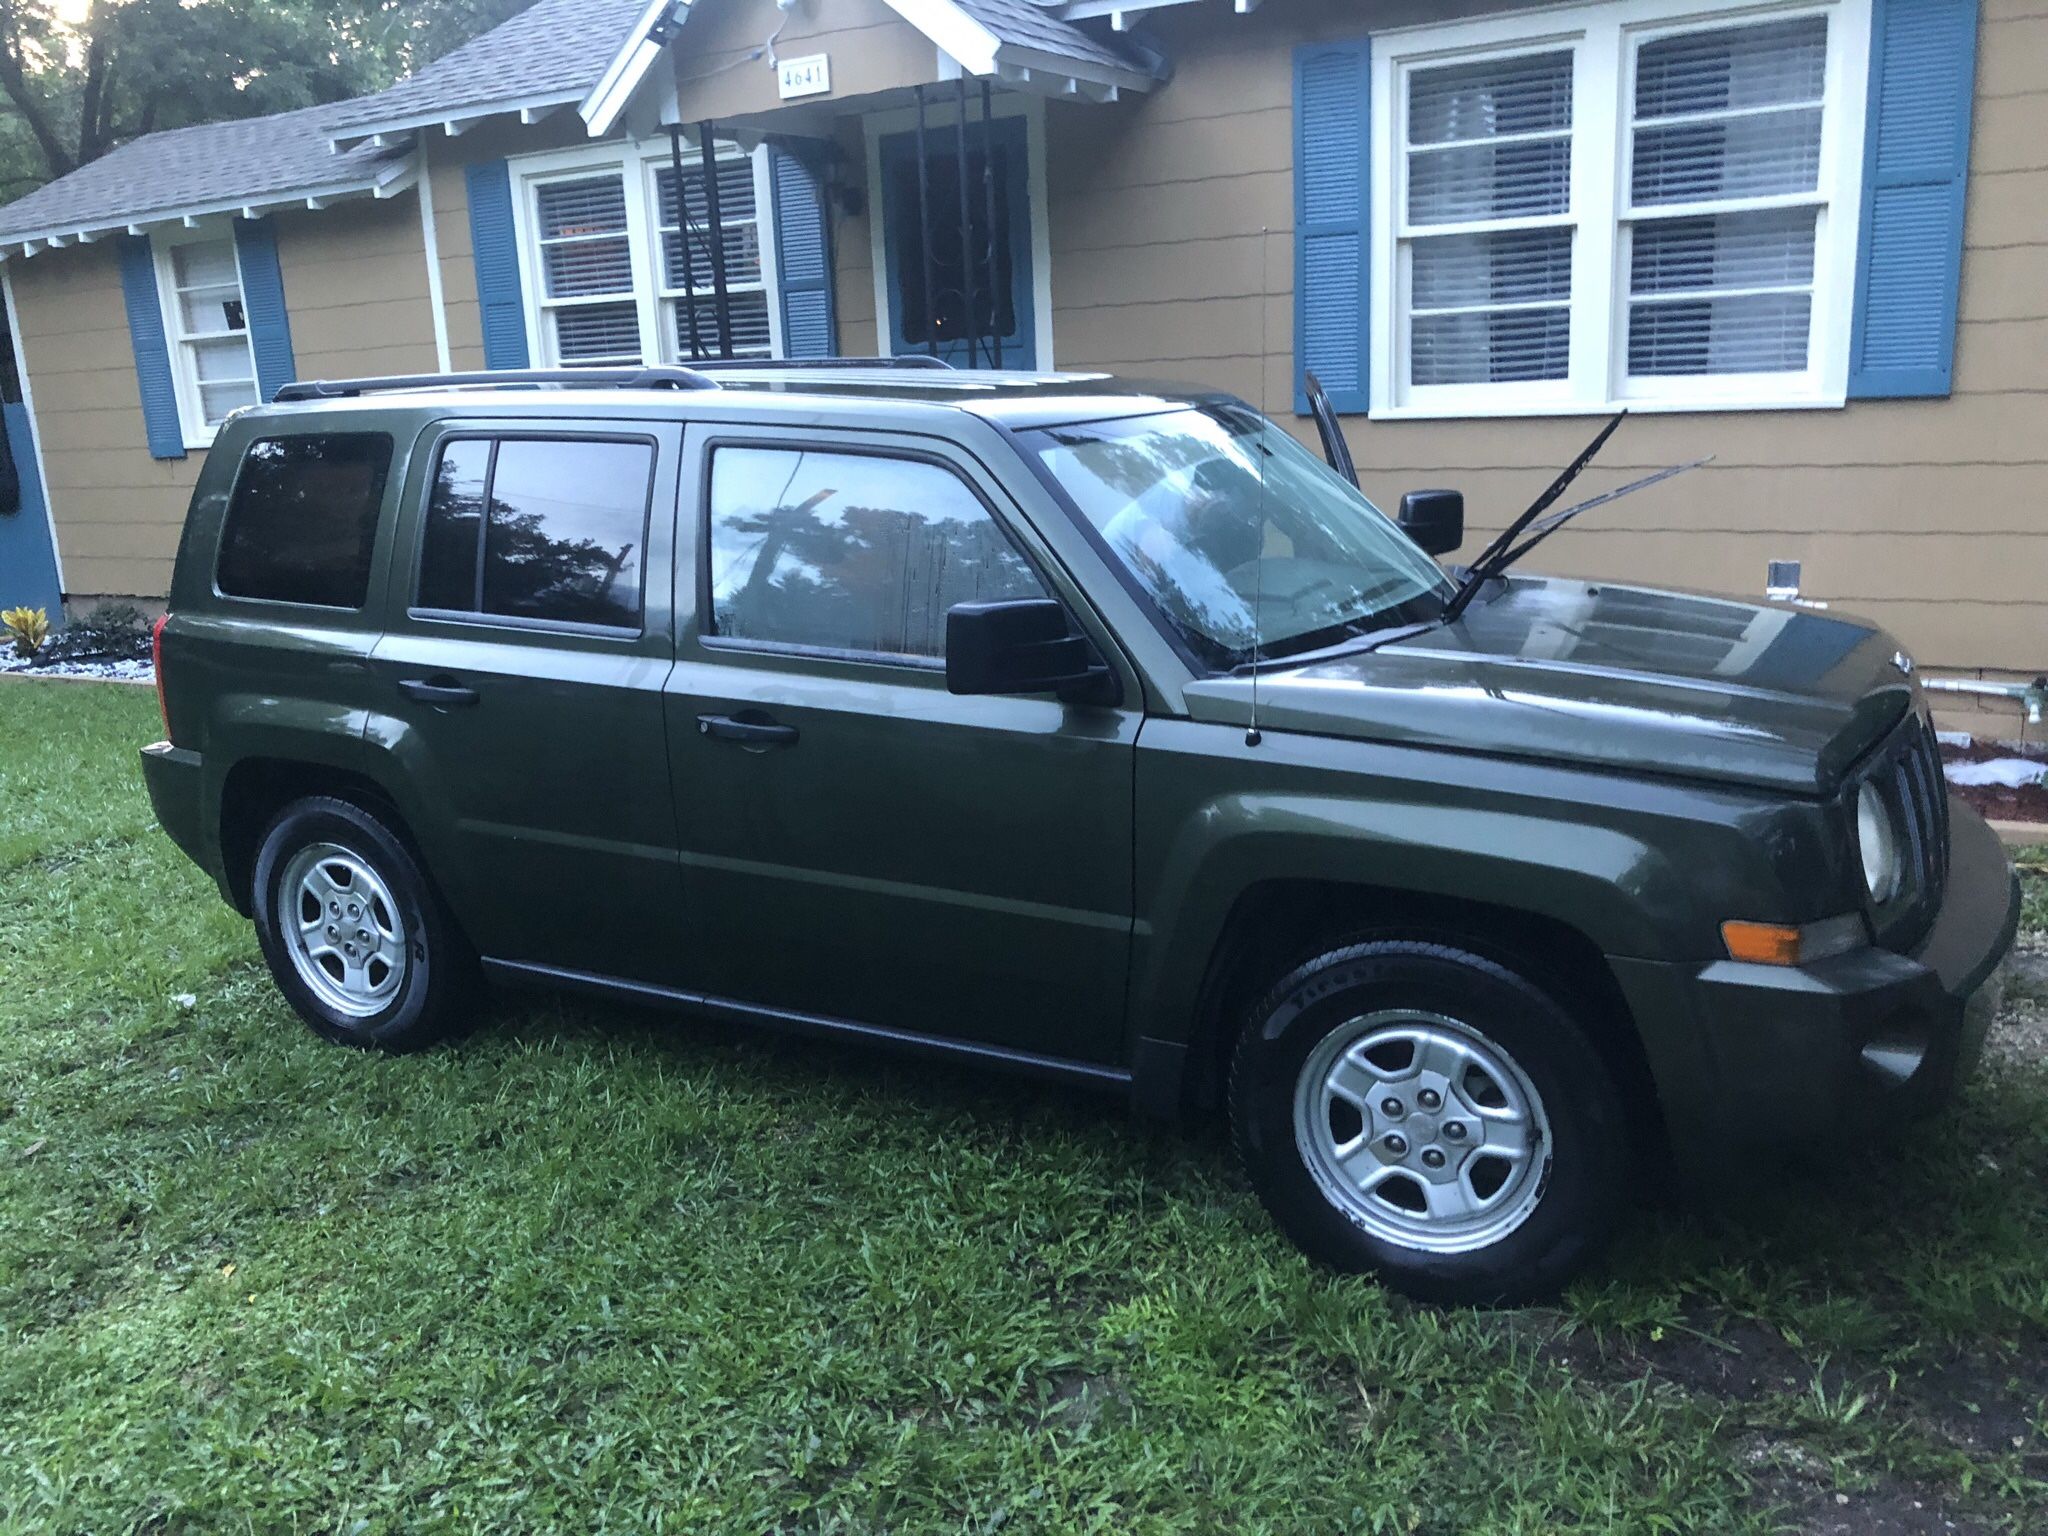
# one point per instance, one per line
(1025, 25)
(555, 49)
(253, 160)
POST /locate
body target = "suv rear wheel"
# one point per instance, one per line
(354, 935)
(1430, 1115)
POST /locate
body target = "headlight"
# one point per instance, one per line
(1877, 839)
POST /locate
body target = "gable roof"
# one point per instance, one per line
(1012, 39)
(212, 168)
(549, 55)
(1021, 24)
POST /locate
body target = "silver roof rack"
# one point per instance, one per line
(504, 378)
(914, 360)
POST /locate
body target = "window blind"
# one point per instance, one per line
(1725, 118)
(1490, 143)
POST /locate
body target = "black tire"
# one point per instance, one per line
(1577, 1198)
(436, 994)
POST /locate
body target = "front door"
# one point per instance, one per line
(520, 685)
(940, 246)
(857, 842)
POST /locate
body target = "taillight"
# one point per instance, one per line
(156, 662)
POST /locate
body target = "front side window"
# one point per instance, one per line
(1241, 539)
(546, 529)
(207, 324)
(851, 552)
(301, 526)
(1639, 201)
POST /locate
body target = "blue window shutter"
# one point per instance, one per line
(1909, 260)
(495, 244)
(152, 351)
(803, 259)
(1332, 219)
(270, 327)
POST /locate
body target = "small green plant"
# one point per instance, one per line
(28, 627)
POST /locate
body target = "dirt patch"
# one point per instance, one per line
(1984, 1404)
(1893, 1510)
(2021, 1033)
(1738, 1361)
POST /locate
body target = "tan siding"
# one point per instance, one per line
(1930, 516)
(355, 278)
(117, 511)
(872, 49)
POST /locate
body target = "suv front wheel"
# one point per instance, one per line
(355, 936)
(1430, 1115)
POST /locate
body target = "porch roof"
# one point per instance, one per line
(1011, 39)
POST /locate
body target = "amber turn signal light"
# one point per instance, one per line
(1791, 943)
(1762, 943)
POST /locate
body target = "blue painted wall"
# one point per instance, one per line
(28, 560)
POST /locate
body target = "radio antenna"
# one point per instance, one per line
(1252, 736)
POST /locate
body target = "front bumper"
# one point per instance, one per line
(1753, 1058)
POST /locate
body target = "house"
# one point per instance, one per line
(1807, 237)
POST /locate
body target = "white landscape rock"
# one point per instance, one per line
(104, 671)
(2003, 772)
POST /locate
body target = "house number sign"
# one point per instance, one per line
(811, 76)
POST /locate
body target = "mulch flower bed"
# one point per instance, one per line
(2029, 802)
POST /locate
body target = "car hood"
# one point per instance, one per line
(1629, 678)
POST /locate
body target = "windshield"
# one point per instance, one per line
(1298, 562)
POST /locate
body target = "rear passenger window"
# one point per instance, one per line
(851, 551)
(552, 529)
(302, 524)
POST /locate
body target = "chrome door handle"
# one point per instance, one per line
(751, 733)
(445, 694)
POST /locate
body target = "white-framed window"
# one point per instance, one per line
(603, 249)
(206, 325)
(1649, 203)
(742, 195)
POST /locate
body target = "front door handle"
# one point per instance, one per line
(442, 694)
(761, 732)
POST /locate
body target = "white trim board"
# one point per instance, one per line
(430, 236)
(35, 430)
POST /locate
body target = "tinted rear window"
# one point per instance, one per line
(564, 539)
(303, 522)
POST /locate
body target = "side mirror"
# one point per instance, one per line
(1023, 647)
(1434, 519)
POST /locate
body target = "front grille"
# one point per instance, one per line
(1907, 772)
(1924, 791)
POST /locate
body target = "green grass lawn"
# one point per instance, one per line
(594, 1270)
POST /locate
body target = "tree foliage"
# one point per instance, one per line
(77, 81)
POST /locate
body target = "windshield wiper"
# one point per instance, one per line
(1504, 551)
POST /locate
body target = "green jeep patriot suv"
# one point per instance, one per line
(1088, 728)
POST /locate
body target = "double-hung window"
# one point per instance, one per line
(606, 257)
(1639, 202)
(206, 323)
(591, 318)
(746, 278)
